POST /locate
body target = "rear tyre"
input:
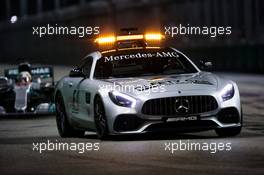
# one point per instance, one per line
(100, 119)
(63, 125)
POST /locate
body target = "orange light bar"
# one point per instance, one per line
(129, 37)
(112, 39)
(105, 40)
(153, 36)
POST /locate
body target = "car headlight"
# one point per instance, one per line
(121, 99)
(227, 92)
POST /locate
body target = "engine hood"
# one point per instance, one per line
(166, 83)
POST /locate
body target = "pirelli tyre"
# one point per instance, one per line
(100, 118)
(63, 125)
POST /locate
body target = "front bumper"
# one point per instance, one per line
(122, 120)
(129, 123)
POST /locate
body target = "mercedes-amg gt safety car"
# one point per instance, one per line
(136, 88)
(27, 90)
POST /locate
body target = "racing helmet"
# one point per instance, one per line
(24, 77)
(24, 67)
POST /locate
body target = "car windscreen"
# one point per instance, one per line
(144, 62)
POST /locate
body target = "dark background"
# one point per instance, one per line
(242, 51)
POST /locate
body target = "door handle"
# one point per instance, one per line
(70, 84)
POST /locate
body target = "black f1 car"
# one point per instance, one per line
(27, 90)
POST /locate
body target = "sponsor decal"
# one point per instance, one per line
(177, 119)
(35, 71)
(12, 72)
(141, 55)
(41, 70)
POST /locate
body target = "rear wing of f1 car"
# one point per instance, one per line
(36, 72)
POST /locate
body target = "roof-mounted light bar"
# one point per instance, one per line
(112, 39)
(153, 36)
(129, 37)
(105, 40)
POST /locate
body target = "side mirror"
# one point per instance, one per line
(206, 65)
(76, 72)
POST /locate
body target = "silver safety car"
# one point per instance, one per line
(136, 88)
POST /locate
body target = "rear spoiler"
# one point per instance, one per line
(36, 72)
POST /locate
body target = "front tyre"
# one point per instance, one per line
(63, 125)
(100, 118)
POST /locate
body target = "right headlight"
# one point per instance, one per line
(227, 92)
(121, 99)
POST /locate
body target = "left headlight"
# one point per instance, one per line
(227, 92)
(121, 99)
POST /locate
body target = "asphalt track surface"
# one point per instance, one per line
(137, 154)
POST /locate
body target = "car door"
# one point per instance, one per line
(81, 96)
(69, 88)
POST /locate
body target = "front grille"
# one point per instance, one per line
(179, 105)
